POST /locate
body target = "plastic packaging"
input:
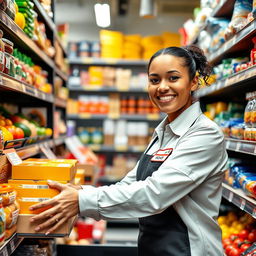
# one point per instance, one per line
(2, 223)
(11, 212)
(8, 194)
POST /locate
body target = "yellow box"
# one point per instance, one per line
(26, 202)
(26, 228)
(34, 188)
(44, 169)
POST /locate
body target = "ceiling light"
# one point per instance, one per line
(147, 8)
(102, 15)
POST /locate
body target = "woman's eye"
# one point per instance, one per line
(173, 78)
(153, 80)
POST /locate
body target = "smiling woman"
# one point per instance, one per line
(175, 188)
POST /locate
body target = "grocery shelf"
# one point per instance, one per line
(40, 9)
(240, 199)
(14, 31)
(10, 245)
(233, 81)
(34, 149)
(237, 43)
(102, 61)
(104, 89)
(60, 103)
(117, 149)
(8, 83)
(85, 116)
(223, 9)
(242, 146)
(49, 22)
(61, 74)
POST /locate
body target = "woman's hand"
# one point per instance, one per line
(63, 207)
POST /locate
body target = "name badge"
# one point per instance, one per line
(161, 155)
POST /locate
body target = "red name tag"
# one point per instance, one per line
(161, 155)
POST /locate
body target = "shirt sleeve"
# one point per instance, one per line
(197, 156)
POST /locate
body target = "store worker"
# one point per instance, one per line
(175, 188)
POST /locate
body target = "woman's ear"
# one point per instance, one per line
(194, 83)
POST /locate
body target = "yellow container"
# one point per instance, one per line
(34, 188)
(38, 169)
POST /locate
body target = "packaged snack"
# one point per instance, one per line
(8, 194)
(2, 223)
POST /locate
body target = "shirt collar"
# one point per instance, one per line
(181, 124)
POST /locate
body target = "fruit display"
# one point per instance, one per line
(238, 233)
(17, 126)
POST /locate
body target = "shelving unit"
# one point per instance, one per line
(24, 95)
(233, 87)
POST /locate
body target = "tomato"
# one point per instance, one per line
(19, 134)
(243, 234)
(244, 247)
(235, 252)
(228, 249)
(233, 237)
(252, 236)
(238, 242)
(226, 242)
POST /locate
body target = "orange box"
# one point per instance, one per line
(26, 228)
(33, 188)
(26, 202)
(44, 169)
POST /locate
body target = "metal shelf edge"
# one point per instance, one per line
(10, 245)
(242, 146)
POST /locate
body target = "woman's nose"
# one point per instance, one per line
(163, 86)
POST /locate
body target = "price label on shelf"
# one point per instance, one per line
(153, 116)
(230, 197)
(30, 90)
(5, 252)
(1, 80)
(12, 156)
(254, 150)
(12, 245)
(243, 202)
(227, 144)
(87, 60)
(85, 115)
(121, 148)
(238, 145)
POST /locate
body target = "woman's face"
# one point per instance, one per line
(169, 85)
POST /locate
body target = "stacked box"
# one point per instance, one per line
(111, 44)
(151, 44)
(132, 47)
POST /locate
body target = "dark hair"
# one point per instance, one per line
(194, 59)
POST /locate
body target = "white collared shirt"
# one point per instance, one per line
(189, 179)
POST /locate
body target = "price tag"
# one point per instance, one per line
(243, 202)
(12, 245)
(227, 144)
(153, 116)
(5, 252)
(230, 197)
(30, 90)
(254, 213)
(238, 145)
(36, 93)
(254, 150)
(87, 60)
(114, 115)
(12, 156)
(85, 115)
(44, 147)
(121, 148)
(1, 80)
(111, 61)
(95, 147)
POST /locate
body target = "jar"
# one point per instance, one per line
(1, 52)
(8, 46)
(11, 214)
(2, 223)
(9, 61)
(8, 194)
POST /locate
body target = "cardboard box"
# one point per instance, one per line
(33, 188)
(44, 169)
(26, 228)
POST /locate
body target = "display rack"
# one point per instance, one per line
(116, 149)
(10, 245)
(75, 88)
(241, 146)
(22, 94)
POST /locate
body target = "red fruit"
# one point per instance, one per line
(252, 236)
(244, 247)
(11, 129)
(226, 242)
(8, 122)
(19, 134)
(235, 252)
(228, 249)
(244, 234)
(238, 242)
(233, 237)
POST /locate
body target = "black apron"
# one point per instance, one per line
(162, 234)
